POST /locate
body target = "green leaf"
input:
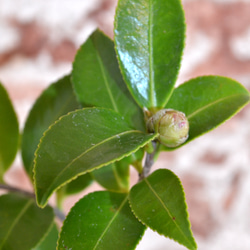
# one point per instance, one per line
(80, 142)
(50, 241)
(98, 82)
(9, 132)
(58, 99)
(78, 184)
(149, 38)
(208, 101)
(113, 177)
(22, 223)
(158, 201)
(101, 220)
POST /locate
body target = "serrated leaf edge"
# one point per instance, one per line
(88, 150)
(122, 188)
(37, 103)
(44, 203)
(155, 230)
(247, 94)
(123, 71)
(122, 204)
(216, 102)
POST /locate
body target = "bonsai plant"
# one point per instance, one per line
(118, 108)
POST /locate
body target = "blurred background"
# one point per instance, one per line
(38, 42)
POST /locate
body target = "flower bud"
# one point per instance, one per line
(171, 125)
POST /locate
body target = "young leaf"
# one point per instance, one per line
(58, 99)
(22, 223)
(98, 82)
(158, 201)
(113, 177)
(80, 142)
(149, 39)
(101, 220)
(208, 101)
(50, 241)
(9, 132)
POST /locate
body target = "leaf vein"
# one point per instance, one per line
(111, 221)
(164, 206)
(151, 70)
(25, 208)
(106, 84)
(85, 152)
(210, 105)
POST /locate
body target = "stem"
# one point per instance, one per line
(60, 195)
(57, 212)
(148, 163)
(17, 190)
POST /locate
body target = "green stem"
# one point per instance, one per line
(60, 195)
(138, 166)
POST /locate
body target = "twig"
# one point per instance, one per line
(57, 212)
(17, 190)
(148, 163)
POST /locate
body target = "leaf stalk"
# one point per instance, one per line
(149, 162)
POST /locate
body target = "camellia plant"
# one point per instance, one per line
(118, 108)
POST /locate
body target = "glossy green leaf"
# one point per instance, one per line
(101, 220)
(80, 142)
(50, 241)
(98, 82)
(208, 101)
(113, 177)
(9, 132)
(116, 176)
(58, 99)
(158, 201)
(78, 184)
(22, 223)
(135, 157)
(149, 38)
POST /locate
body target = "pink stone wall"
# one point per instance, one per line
(38, 41)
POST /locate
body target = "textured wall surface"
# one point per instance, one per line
(38, 41)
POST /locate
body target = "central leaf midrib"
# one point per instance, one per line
(167, 210)
(151, 68)
(106, 83)
(24, 209)
(210, 105)
(85, 152)
(111, 221)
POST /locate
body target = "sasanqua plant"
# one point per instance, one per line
(118, 108)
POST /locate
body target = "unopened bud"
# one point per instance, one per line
(171, 125)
